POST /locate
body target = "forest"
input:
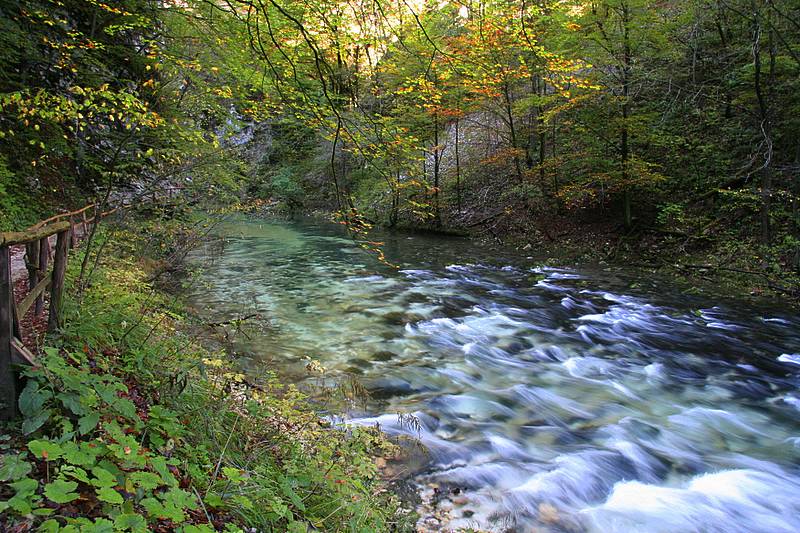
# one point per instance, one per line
(660, 135)
(625, 125)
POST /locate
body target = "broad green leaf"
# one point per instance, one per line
(297, 527)
(109, 495)
(146, 480)
(103, 478)
(24, 487)
(76, 455)
(214, 500)
(130, 522)
(233, 474)
(29, 425)
(88, 422)
(100, 525)
(159, 464)
(45, 449)
(72, 402)
(49, 526)
(76, 473)
(60, 491)
(32, 399)
(180, 498)
(14, 467)
(126, 408)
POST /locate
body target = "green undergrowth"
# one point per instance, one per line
(129, 424)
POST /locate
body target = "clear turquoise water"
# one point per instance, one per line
(549, 399)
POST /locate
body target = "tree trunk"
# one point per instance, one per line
(765, 126)
(624, 146)
(512, 130)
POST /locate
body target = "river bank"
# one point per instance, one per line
(133, 424)
(721, 270)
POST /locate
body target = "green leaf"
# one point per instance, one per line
(19, 504)
(297, 527)
(198, 528)
(72, 402)
(233, 474)
(146, 480)
(154, 508)
(60, 491)
(24, 487)
(29, 425)
(180, 498)
(49, 526)
(88, 423)
(243, 501)
(109, 495)
(159, 464)
(132, 522)
(32, 399)
(100, 525)
(76, 473)
(14, 467)
(45, 449)
(288, 491)
(166, 510)
(76, 455)
(214, 500)
(126, 408)
(103, 478)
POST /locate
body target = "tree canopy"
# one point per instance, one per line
(679, 116)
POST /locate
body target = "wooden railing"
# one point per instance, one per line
(37, 257)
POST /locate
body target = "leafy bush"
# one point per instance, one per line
(15, 206)
(284, 187)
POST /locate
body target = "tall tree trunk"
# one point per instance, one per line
(624, 146)
(437, 216)
(765, 125)
(541, 129)
(512, 130)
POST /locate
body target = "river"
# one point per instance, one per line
(548, 399)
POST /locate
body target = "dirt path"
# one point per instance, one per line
(18, 268)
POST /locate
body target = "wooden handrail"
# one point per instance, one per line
(46, 228)
(27, 302)
(22, 237)
(60, 215)
(37, 244)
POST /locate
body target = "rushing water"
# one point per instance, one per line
(549, 399)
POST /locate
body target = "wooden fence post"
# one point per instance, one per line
(32, 263)
(72, 233)
(57, 288)
(44, 260)
(8, 384)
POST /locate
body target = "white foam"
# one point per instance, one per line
(791, 358)
(727, 501)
